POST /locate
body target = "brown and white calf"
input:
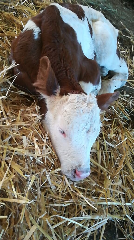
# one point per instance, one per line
(60, 55)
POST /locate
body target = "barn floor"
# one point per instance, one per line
(36, 201)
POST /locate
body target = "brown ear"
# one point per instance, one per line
(106, 99)
(46, 83)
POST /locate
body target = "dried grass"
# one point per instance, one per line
(36, 200)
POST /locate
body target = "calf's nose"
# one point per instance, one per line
(81, 174)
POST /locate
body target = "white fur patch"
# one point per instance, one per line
(92, 14)
(105, 41)
(80, 27)
(105, 45)
(110, 85)
(90, 88)
(95, 16)
(121, 68)
(32, 26)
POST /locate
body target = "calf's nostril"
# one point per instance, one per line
(78, 173)
(83, 173)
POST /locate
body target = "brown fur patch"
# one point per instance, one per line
(90, 28)
(57, 41)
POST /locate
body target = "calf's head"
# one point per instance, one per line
(72, 121)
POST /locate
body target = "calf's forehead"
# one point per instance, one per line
(78, 109)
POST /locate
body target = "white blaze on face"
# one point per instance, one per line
(32, 26)
(73, 123)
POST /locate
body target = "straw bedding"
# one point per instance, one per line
(36, 201)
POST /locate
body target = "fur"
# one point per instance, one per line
(60, 56)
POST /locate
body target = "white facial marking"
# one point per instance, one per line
(80, 27)
(32, 26)
(73, 123)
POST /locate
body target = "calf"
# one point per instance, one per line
(60, 55)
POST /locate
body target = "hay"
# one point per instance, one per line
(36, 200)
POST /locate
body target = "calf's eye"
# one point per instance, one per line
(62, 132)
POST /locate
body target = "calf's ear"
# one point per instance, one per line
(106, 99)
(46, 83)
